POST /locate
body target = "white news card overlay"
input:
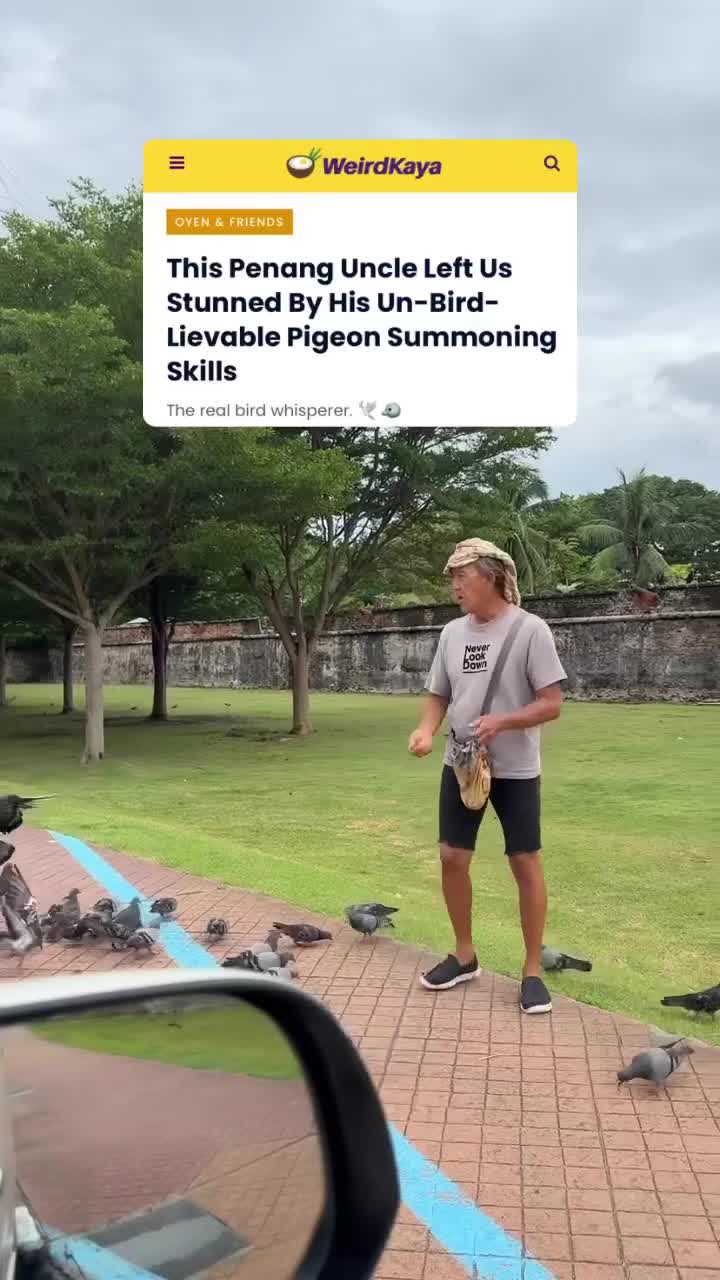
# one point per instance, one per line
(450, 309)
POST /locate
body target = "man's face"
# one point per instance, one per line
(472, 590)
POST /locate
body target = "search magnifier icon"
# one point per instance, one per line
(551, 162)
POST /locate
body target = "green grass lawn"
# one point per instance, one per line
(238, 1041)
(631, 821)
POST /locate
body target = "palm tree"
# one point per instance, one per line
(631, 541)
(520, 499)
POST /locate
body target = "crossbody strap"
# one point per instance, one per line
(500, 664)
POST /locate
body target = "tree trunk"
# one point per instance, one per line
(160, 645)
(69, 630)
(160, 637)
(3, 671)
(300, 667)
(94, 714)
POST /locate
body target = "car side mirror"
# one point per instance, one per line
(176, 1125)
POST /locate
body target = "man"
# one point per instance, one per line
(528, 694)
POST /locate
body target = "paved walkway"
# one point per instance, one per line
(524, 1115)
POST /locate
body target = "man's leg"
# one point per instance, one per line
(458, 834)
(529, 874)
(457, 891)
(517, 804)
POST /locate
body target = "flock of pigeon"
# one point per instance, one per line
(275, 955)
(123, 925)
(655, 1065)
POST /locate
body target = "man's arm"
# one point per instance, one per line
(439, 691)
(546, 706)
(434, 714)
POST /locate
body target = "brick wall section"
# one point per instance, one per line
(611, 650)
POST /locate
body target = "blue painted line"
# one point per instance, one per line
(180, 946)
(93, 1260)
(475, 1240)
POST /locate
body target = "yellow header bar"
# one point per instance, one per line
(355, 165)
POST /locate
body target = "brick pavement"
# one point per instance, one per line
(524, 1114)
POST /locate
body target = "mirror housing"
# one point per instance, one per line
(362, 1189)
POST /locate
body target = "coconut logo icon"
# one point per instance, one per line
(301, 166)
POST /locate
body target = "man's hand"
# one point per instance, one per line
(487, 727)
(421, 742)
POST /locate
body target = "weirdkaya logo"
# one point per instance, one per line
(304, 163)
(388, 165)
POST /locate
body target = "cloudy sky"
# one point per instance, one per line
(633, 82)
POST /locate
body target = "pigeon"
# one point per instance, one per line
(268, 960)
(365, 923)
(374, 909)
(285, 975)
(70, 905)
(280, 942)
(163, 907)
(21, 938)
(11, 807)
(656, 1065)
(64, 917)
(91, 924)
(303, 935)
(15, 889)
(106, 906)
(244, 960)
(555, 961)
(140, 940)
(6, 852)
(130, 918)
(707, 1001)
(216, 927)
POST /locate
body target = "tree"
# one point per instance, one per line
(22, 621)
(169, 598)
(93, 496)
(309, 516)
(89, 252)
(696, 512)
(637, 527)
(268, 494)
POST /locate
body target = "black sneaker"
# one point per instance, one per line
(534, 996)
(449, 972)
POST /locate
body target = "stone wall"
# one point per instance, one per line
(609, 652)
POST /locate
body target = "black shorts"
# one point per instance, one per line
(516, 802)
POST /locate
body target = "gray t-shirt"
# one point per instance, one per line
(461, 670)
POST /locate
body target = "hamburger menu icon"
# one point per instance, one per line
(301, 166)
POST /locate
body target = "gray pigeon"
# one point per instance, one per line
(707, 1001)
(287, 973)
(374, 909)
(279, 941)
(243, 960)
(655, 1065)
(22, 938)
(555, 961)
(365, 923)
(303, 935)
(70, 905)
(141, 940)
(130, 917)
(64, 920)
